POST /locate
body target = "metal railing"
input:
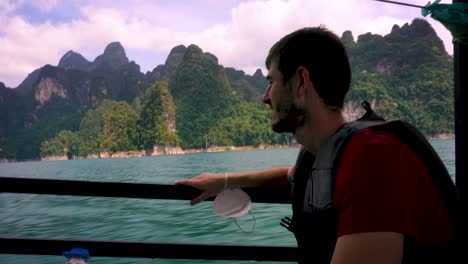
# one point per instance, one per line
(45, 246)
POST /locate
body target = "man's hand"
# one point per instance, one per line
(213, 183)
(210, 183)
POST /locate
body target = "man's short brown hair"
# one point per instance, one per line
(324, 56)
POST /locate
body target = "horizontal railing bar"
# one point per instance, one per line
(126, 190)
(36, 246)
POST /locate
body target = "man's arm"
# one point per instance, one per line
(371, 247)
(213, 183)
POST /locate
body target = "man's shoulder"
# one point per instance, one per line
(374, 139)
(375, 149)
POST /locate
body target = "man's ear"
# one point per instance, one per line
(303, 81)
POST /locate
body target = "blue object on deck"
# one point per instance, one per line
(76, 253)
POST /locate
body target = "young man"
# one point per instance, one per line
(374, 201)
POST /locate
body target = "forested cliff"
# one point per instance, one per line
(78, 107)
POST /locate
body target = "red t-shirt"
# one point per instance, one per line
(382, 185)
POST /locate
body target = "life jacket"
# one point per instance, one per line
(314, 220)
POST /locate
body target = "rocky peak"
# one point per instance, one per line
(167, 71)
(418, 30)
(258, 74)
(421, 30)
(259, 81)
(114, 48)
(27, 84)
(348, 38)
(175, 56)
(395, 29)
(73, 60)
(177, 51)
(195, 54)
(368, 37)
(193, 50)
(233, 73)
(421, 27)
(114, 56)
(211, 57)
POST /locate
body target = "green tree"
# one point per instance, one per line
(119, 129)
(202, 96)
(157, 119)
(111, 127)
(90, 127)
(64, 143)
(248, 124)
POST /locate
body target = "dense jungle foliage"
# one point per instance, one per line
(78, 108)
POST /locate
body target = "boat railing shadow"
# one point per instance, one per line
(46, 246)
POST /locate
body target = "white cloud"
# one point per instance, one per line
(6, 6)
(257, 25)
(241, 42)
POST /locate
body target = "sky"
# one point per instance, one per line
(239, 32)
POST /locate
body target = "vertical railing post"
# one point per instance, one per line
(460, 55)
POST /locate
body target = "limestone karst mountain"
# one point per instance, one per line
(406, 74)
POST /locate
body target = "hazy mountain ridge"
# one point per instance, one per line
(73, 60)
(406, 74)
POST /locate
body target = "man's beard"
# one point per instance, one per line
(290, 117)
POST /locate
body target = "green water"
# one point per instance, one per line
(93, 218)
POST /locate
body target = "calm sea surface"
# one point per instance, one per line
(90, 218)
